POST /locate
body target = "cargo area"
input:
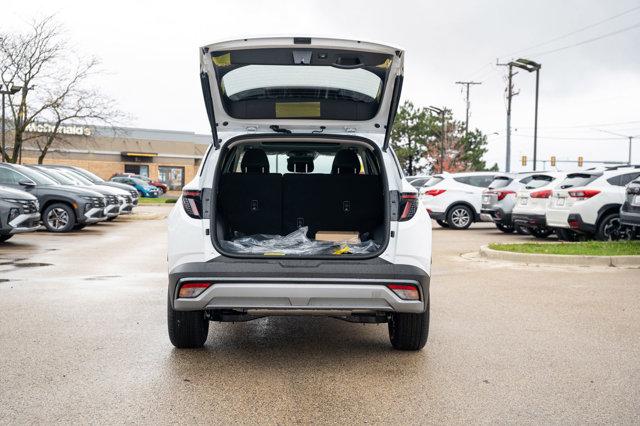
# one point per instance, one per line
(299, 198)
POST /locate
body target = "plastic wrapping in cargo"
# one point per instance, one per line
(296, 243)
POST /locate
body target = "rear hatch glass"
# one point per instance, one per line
(434, 180)
(538, 181)
(500, 182)
(578, 179)
(310, 83)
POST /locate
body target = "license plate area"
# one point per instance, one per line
(560, 201)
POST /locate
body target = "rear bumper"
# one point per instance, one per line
(577, 224)
(629, 218)
(299, 285)
(437, 215)
(495, 215)
(529, 220)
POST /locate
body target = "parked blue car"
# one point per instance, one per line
(143, 188)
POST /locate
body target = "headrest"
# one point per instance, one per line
(300, 164)
(255, 161)
(346, 162)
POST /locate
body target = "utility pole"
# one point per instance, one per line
(509, 96)
(467, 84)
(631, 138)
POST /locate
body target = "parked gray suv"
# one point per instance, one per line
(19, 212)
(62, 208)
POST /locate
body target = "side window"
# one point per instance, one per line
(479, 181)
(616, 180)
(9, 177)
(625, 179)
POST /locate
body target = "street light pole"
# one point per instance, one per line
(6, 90)
(535, 122)
(442, 112)
(528, 66)
(507, 164)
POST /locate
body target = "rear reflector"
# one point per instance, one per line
(545, 193)
(405, 292)
(190, 290)
(573, 224)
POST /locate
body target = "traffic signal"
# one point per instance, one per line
(580, 161)
(553, 161)
(524, 160)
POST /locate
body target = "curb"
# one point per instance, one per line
(560, 259)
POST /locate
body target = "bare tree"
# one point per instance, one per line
(55, 86)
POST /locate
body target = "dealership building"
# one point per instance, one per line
(172, 157)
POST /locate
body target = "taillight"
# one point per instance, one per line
(584, 193)
(545, 193)
(190, 290)
(192, 203)
(406, 292)
(502, 194)
(408, 205)
(434, 192)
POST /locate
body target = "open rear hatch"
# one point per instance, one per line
(301, 85)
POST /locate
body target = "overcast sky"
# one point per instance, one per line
(150, 52)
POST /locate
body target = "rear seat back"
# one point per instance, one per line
(251, 201)
(332, 202)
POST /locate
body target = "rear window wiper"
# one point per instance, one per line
(279, 129)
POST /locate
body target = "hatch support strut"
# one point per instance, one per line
(393, 109)
(208, 103)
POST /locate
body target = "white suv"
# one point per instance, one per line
(588, 202)
(531, 203)
(499, 199)
(454, 200)
(300, 206)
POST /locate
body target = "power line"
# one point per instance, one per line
(586, 41)
(595, 24)
(568, 138)
(577, 126)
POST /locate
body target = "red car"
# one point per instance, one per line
(163, 187)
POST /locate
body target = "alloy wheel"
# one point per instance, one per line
(460, 217)
(613, 230)
(58, 218)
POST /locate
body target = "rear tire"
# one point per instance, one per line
(540, 233)
(442, 223)
(507, 229)
(521, 230)
(4, 238)
(610, 229)
(187, 329)
(59, 217)
(409, 332)
(459, 217)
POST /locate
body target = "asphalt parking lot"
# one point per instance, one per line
(83, 339)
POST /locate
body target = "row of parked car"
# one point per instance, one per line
(58, 198)
(600, 203)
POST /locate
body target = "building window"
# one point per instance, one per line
(173, 177)
(138, 169)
